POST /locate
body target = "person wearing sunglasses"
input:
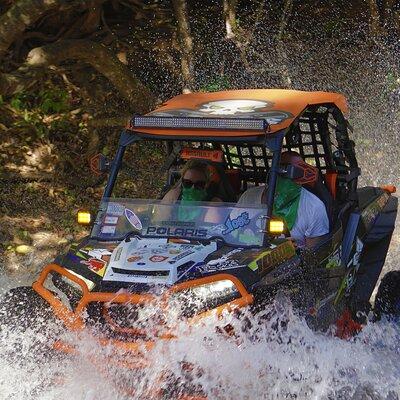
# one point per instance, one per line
(194, 185)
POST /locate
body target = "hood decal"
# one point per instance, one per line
(154, 260)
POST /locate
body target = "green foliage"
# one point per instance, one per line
(47, 101)
(20, 101)
(218, 83)
(32, 121)
(53, 101)
(392, 82)
(42, 112)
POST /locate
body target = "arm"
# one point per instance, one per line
(316, 221)
(171, 196)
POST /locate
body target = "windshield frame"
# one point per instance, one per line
(273, 142)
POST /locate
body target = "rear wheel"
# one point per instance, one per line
(387, 300)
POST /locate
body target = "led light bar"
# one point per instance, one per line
(243, 124)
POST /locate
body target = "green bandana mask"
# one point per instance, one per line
(193, 194)
(287, 198)
(189, 195)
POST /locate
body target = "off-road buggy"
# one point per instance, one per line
(215, 257)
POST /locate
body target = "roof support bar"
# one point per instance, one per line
(125, 139)
(274, 144)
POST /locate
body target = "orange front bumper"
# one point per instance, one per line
(74, 321)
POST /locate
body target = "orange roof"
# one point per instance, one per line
(279, 107)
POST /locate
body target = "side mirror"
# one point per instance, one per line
(100, 164)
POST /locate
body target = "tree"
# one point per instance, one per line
(185, 44)
(95, 54)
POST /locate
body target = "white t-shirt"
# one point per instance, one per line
(312, 219)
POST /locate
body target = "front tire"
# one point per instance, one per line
(22, 308)
(387, 300)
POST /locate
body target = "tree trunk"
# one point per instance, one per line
(229, 7)
(391, 19)
(96, 55)
(374, 20)
(286, 13)
(24, 13)
(280, 47)
(185, 43)
(234, 33)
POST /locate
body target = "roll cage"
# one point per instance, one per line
(320, 134)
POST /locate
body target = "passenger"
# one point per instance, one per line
(304, 213)
(194, 185)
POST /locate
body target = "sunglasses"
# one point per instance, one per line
(187, 183)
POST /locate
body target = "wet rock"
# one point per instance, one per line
(23, 249)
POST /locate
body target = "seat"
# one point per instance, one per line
(321, 191)
(220, 185)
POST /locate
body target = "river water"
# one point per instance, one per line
(278, 357)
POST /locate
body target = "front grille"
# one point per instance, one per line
(140, 272)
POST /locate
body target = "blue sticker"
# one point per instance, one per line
(74, 258)
(236, 223)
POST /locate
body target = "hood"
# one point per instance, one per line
(154, 260)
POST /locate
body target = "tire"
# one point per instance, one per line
(387, 300)
(28, 327)
(22, 308)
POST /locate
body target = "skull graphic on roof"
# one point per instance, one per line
(233, 107)
(230, 107)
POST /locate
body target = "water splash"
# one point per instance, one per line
(272, 355)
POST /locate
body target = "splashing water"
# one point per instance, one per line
(272, 355)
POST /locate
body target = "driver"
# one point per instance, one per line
(194, 185)
(304, 213)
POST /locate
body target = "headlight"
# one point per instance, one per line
(205, 297)
(215, 290)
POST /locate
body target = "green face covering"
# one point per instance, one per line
(193, 194)
(189, 195)
(287, 198)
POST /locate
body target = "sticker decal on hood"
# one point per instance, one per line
(95, 259)
(154, 260)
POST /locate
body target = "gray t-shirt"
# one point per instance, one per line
(312, 218)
